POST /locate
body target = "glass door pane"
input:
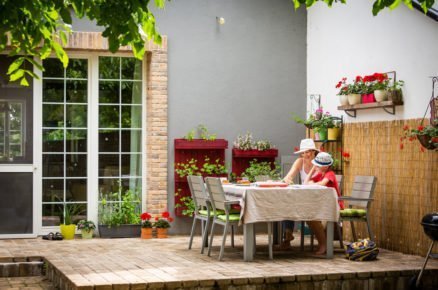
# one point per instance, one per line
(120, 124)
(65, 136)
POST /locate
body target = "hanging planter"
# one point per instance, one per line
(428, 142)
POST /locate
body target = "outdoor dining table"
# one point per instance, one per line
(274, 204)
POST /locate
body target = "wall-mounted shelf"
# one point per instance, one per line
(388, 106)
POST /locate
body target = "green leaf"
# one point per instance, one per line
(60, 53)
(65, 14)
(15, 65)
(16, 75)
(138, 49)
(24, 82)
(32, 61)
(63, 37)
(159, 3)
(45, 51)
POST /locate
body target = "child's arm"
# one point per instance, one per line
(324, 181)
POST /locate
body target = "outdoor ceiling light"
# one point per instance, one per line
(220, 20)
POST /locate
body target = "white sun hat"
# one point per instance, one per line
(322, 159)
(305, 145)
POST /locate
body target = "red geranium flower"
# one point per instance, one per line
(145, 216)
(156, 218)
(165, 214)
(358, 79)
(420, 128)
(405, 127)
(296, 149)
(401, 146)
(170, 219)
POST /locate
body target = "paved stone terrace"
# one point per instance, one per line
(166, 263)
(26, 283)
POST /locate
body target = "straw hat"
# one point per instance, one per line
(322, 159)
(305, 145)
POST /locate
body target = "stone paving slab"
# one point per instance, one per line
(115, 263)
(29, 283)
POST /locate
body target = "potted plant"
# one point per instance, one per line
(321, 126)
(119, 214)
(162, 223)
(395, 93)
(261, 168)
(146, 226)
(380, 86)
(186, 204)
(87, 228)
(426, 135)
(355, 91)
(334, 129)
(244, 142)
(68, 228)
(343, 91)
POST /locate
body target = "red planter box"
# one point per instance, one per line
(242, 158)
(201, 144)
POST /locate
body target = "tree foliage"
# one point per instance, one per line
(377, 6)
(39, 27)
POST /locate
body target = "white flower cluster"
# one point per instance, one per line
(246, 142)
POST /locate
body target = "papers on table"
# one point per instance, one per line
(308, 186)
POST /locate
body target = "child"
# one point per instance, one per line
(322, 174)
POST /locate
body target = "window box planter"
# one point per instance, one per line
(201, 144)
(270, 153)
(121, 231)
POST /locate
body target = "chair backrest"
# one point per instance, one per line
(216, 193)
(198, 191)
(339, 179)
(363, 187)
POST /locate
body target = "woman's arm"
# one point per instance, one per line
(293, 171)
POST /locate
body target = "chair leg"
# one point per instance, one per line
(192, 232)
(302, 236)
(232, 236)
(210, 244)
(205, 236)
(340, 235)
(353, 231)
(224, 238)
(270, 242)
(312, 241)
(369, 229)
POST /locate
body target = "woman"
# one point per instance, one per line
(303, 166)
(322, 174)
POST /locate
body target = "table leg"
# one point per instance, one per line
(248, 242)
(330, 226)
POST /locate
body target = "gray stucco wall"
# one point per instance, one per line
(246, 75)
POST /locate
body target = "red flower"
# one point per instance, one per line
(358, 79)
(156, 218)
(296, 149)
(170, 219)
(145, 216)
(405, 127)
(321, 149)
(344, 79)
(401, 146)
(165, 214)
(412, 138)
(435, 140)
(420, 128)
(421, 148)
(346, 155)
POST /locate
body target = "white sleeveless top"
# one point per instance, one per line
(303, 174)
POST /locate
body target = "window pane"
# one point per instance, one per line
(109, 92)
(52, 214)
(109, 116)
(53, 91)
(76, 141)
(76, 116)
(131, 164)
(108, 140)
(108, 185)
(53, 165)
(131, 140)
(133, 183)
(53, 140)
(53, 190)
(76, 165)
(77, 68)
(131, 68)
(76, 91)
(53, 68)
(131, 116)
(109, 165)
(109, 67)
(76, 189)
(53, 116)
(131, 92)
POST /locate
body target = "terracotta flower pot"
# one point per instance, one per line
(146, 233)
(354, 99)
(161, 233)
(381, 95)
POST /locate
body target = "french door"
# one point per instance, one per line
(92, 135)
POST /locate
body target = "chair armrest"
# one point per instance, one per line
(354, 198)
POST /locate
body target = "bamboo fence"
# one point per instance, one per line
(407, 183)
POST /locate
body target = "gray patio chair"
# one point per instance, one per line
(202, 210)
(218, 204)
(359, 203)
(339, 179)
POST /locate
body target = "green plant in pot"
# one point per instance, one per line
(395, 92)
(68, 228)
(321, 126)
(87, 228)
(119, 214)
(261, 169)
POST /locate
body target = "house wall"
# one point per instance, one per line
(246, 75)
(346, 41)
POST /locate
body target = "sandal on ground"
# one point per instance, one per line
(58, 236)
(50, 236)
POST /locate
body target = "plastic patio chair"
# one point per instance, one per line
(218, 204)
(359, 203)
(202, 210)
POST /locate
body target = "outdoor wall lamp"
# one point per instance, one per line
(220, 20)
